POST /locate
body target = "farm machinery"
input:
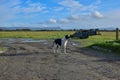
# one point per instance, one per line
(82, 34)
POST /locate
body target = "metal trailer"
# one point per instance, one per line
(82, 34)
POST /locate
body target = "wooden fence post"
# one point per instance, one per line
(117, 33)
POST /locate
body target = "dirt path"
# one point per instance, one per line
(36, 61)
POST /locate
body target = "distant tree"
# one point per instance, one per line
(23, 30)
(1, 29)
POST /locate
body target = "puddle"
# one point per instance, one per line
(22, 40)
(32, 40)
(74, 44)
(1, 52)
(13, 40)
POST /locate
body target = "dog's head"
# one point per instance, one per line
(67, 37)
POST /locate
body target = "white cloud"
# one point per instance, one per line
(44, 25)
(16, 6)
(72, 5)
(6, 10)
(75, 6)
(63, 21)
(95, 5)
(33, 7)
(45, 11)
(113, 14)
(11, 11)
(58, 8)
(10, 3)
(91, 20)
(28, 2)
(52, 21)
(97, 14)
(55, 21)
(74, 17)
(29, 8)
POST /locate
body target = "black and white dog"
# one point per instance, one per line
(60, 43)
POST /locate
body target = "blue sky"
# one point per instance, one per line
(67, 14)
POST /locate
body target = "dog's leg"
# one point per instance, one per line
(64, 51)
(53, 50)
(54, 47)
(57, 48)
(64, 47)
(61, 48)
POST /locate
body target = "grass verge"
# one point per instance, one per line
(2, 50)
(106, 47)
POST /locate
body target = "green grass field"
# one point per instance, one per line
(105, 36)
(53, 34)
(103, 40)
(106, 41)
(34, 34)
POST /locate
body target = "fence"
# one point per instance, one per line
(117, 33)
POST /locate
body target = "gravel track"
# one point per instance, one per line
(36, 61)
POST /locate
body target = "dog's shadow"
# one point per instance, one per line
(108, 60)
